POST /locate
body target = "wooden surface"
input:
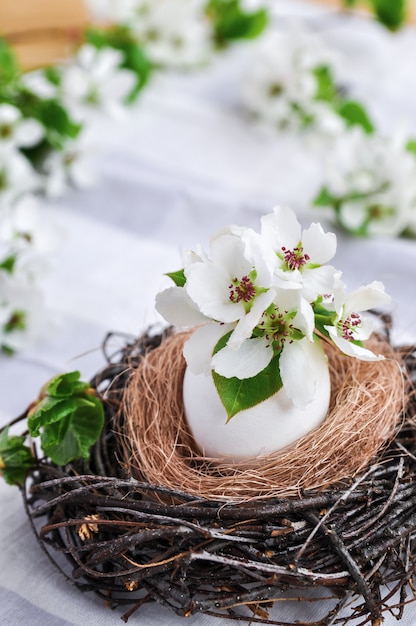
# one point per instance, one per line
(42, 31)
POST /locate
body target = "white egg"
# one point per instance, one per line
(267, 427)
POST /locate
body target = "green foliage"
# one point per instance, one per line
(178, 277)
(238, 394)
(68, 417)
(324, 198)
(391, 13)
(231, 22)
(411, 146)
(9, 66)
(355, 115)
(323, 317)
(135, 59)
(326, 90)
(8, 263)
(15, 458)
(59, 126)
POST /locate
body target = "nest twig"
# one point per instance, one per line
(347, 548)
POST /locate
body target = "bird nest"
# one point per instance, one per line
(341, 551)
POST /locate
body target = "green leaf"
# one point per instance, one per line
(178, 277)
(65, 385)
(326, 88)
(411, 146)
(16, 321)
(49, 411)
(68, 417)
(8, 264)
(15, 458)
(324, 198)
(54, 117)
(9, 66)
(391, 13)
(231, 22)
(239, 394)
(73, 436)
(355, 115)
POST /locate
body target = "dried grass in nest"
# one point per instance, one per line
(347, 548)
(366, 407)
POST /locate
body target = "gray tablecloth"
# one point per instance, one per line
(184, 162)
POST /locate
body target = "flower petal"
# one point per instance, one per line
(281, 228)
(366, 297)
(177, 308)
(249, 359)
(247, 323)
(298, 370)
(351, 349)
(208, 286)
(318, 244)
(199, 347)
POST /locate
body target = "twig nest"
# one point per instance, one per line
(260, 430)
(366, 409)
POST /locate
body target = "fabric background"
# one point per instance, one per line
(183, 163)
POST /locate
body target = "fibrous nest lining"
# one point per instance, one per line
(334, 555)
(367, 401)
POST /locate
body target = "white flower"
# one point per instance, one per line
(259, 299)
(282, 322)
(174, 33)
(350, 326)
(39, 85)
(280, 85)
(28, 234)
(233, 285)
(70, 166)
(94, 81)
(17, 177)
(16, 131)
(22, 312)
(116, 11)
(373, 179)
(301, 254)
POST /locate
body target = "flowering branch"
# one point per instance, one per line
(370, 185)
(261, 301)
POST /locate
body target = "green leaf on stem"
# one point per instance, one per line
(68, 417)
(326, 88)
(15, 458)
(238, 394)
(9, 65)
(232, 22)
(411, 146)
(391, 13)
(324, 198)
(178, 277)
(355, 115)
(8, 264)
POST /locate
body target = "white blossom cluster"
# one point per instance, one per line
(370, 183)
(174, 33)
(28, 239)
(92, 81)
(286, 82)
(263, 296)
